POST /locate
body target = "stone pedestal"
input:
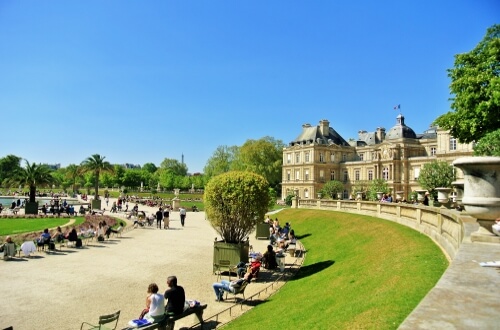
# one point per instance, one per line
(96, 204)
(176, 204)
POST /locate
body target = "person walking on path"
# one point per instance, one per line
(159, 217)
(182, 212)
(166, 217)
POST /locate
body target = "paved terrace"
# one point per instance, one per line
(60, 290)
(467, 296)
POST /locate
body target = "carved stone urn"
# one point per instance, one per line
(443, 195)
(421, 194)
(481, 197)
(459, 190)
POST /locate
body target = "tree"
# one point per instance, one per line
(332, 188)
(32, 175)
(475, 86)
(119, 172)
(377, 185)
(234, 202)
(360, 186)
(220, 161)
(436, 174)
(96, 164)
(488, 145)
(263, 156)
(149, 167)
(167, 179)
(174, 166)
(73, 172)
(9, 165)
(132, 178)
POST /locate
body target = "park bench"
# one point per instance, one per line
(168, 323)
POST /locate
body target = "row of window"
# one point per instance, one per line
(357, 175)
(307, 154)
(307, 157)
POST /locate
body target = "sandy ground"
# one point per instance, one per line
(60, 290)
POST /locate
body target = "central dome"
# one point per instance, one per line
(400, 130)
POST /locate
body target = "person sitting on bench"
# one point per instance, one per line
(155, 304)
(176, 297)
(269, 258)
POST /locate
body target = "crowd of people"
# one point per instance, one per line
(162, 215)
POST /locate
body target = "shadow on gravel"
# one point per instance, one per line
(18, 259)
(308, 270)
(207, 325)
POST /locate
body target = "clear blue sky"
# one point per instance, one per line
(140, 81)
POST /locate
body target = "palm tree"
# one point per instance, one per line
(73, 172)
(32, 175)
(96, 164)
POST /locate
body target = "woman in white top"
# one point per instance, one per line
(155, 304)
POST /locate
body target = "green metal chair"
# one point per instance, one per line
(103, 319)
(239, 290)
(223, 265)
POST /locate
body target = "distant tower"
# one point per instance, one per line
(182, 159)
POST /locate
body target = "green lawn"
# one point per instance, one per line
(23, 225)
(360, 273)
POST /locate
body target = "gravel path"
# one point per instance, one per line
(62, 289)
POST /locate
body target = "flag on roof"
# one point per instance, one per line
(397, 107)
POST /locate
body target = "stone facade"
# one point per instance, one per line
(319, 154)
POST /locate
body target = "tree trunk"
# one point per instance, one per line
(96, 185)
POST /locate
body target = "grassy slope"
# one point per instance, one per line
(360, 273)
(18, 227)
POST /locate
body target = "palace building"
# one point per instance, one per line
(319, 154)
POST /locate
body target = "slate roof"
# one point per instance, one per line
(313, 134)
(400, 130)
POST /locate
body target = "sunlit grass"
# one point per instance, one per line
(360, 273)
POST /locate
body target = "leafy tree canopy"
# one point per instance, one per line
(332, 188)
(234, 202)
(488, 145)
(32, 175)
(436, 174)
(377, 185)
(9, 165)
(174, 166)
(220, 161)
(96, 164)
(263, 156)
(475, 89)
(149, 167)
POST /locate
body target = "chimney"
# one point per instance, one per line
(324, 127)
(380, 134)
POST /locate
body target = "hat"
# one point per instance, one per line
(427, 193)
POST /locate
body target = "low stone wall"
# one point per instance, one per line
(442, 225)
